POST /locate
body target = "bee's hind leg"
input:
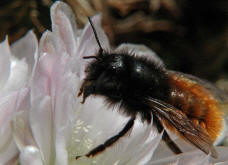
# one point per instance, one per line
(165, 137)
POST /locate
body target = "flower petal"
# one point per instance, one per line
(53, 77)
(65, 90)
(26, 48)
(4, 62)
(30, 156)
(21, 65)
(10, 155)
(64, 115)
(196, 157)
(22, 131)
(47, 44)
(222, 154)
(64, 26)
(41, 78)
(9, 105)
(42, 126)
(147, 149)
(18, 78)
(41, 113)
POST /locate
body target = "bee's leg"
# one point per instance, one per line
(170, 143)
(111, 140)
(81, 89)
(86, 89)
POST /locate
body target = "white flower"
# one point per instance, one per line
(41, 118)
(15, 71)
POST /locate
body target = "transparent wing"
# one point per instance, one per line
(175, 118)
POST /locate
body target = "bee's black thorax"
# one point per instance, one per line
(127, 79)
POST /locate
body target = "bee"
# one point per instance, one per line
(181, 103)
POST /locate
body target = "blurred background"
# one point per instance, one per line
(189, 35)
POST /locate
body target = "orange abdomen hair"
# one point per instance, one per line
(197, 102)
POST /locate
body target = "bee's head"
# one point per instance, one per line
(105, 76)
(120, 75)
(103, 73)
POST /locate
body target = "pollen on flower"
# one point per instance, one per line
(116, 163)
(88, 142)
(75, 131)
(80, 139)
(79, 122)
(85, 129)
(79, 125)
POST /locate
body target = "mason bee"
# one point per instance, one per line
(184, 104)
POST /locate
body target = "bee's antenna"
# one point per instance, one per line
(96, 36)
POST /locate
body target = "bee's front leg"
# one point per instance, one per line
(87, 88)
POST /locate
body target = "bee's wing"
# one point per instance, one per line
(175, 118)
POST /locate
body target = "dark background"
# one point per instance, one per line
(189, 35)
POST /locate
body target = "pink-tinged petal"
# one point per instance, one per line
(4, 62)
(61, 151)
(64, 115)
(41, 117)
(188, 158)
(222, 154)
(63, 83)
(88, 45)
(9, 105)
(64, 26)
(62, 89)
(65, 96)
(53, 78)
(9, 156)
(26, 48)
(146, 150)
(22, 131)
(31, 156)
(140, 50)
(41, 78)
(18, 78)
(47, 43)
